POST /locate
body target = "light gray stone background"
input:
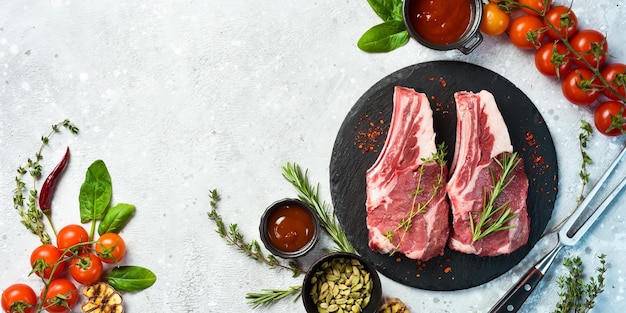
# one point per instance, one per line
(179, 97)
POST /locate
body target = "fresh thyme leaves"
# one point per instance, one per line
(576, 295)
(406, 223)
(269, 296)
(310, 195)
(24, 198)
(234, 237)
(494, 218)
(583, 139)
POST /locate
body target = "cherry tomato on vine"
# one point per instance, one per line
(592, 45)
(71, 235)
(61, 296)
(615, 75)
(19, 298)
(563, 19)
(534, 7)
(552, 56)
(110, 248)
(43, 259)
(610, 118)
(526, 27)
(86, 268)
(580, 86)
(494, 21)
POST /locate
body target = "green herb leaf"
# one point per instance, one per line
(384, 37)
(130, 278)
(387, 10)
(95, 192)
(116, 218)
(309, 194)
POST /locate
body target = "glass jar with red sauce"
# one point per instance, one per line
(444, 24)
(289, 228)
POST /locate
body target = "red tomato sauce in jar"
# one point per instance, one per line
(440, 21)
(290, 227)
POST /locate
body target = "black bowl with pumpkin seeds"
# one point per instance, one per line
(342, 282)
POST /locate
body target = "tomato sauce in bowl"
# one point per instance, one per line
(440, 21)
(289, 228)
(444, 24)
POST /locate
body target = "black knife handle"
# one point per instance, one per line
(515, 297)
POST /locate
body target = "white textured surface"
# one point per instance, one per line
(179, 97)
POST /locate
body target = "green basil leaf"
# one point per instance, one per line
(130, 278)
(387, 10)
(384, 37)
(116, 218)
(95, 192)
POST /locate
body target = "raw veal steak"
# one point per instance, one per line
(481, 136)
(399, 219)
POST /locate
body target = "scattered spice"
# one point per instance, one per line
(366, 139)
(442, 82)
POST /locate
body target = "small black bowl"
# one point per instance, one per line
(265, 238)
(376, 295)
(468, 41)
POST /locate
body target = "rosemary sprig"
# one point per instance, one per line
(406, 223)
(269, 296)
(25, 199)
(234, 237)
(576, 295)
(310, 195)
(494, 218)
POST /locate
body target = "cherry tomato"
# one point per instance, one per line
(86, 268)
(61, 297)
(526, 27)
(534, 7)
(71, 235)
(19, 298)
(552, 56)
(610, 118)
(563, 19)
(590, 43)
(43, 259)
(110, 248)
(494, 21)
(580, 86)
(615, 74)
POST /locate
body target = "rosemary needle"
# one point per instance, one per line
(310, 195)
(269, 296)
(488, 220)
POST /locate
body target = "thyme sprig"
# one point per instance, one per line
(417, 208)
(583, 139)
(310, 195)
(234, 237)
(576, 295)
(268, 296)
(24, 198)
(494, 218)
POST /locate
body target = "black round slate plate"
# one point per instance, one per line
(440, 80)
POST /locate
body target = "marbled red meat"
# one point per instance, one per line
(401, 168)
(482, 136)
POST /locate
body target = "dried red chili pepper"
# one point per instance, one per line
(47, 189)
